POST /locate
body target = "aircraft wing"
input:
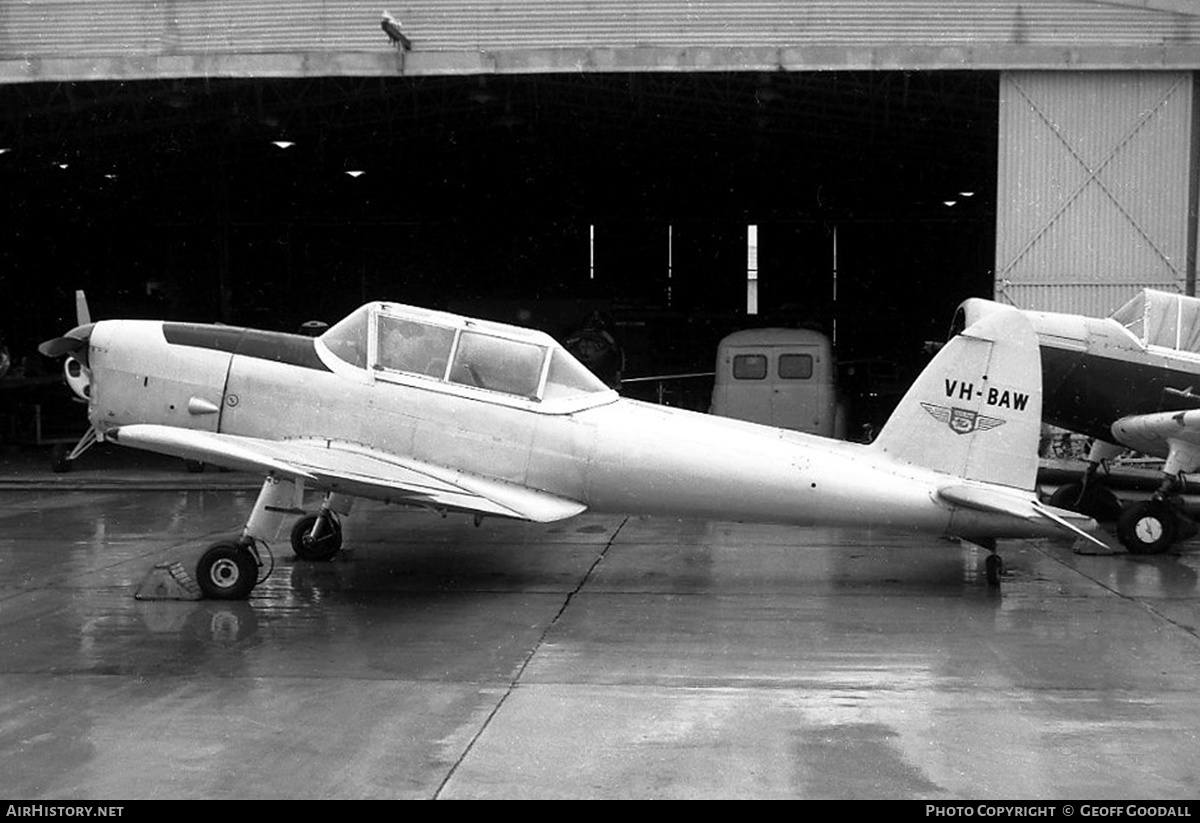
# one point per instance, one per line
(1174, 435)
(354, 469)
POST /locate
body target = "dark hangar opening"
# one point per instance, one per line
(533, 198)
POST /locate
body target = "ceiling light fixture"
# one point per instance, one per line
(482, 94)
(282, 144)
(356, 173)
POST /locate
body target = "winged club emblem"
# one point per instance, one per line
(962, 421)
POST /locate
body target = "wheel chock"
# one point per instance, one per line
(168, 581)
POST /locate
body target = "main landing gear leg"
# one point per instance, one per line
(230, 570)
(1088, 495)
(319, 536)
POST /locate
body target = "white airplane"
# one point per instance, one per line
(425, 408)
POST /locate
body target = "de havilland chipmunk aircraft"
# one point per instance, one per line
(453, 414)
(1131, 381)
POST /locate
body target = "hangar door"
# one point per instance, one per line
(1095, 184)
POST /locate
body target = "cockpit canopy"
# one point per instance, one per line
(403, 341)
(1159, 318)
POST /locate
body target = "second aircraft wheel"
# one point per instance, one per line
(1094, 500)
(1148, 527)
(326, 543)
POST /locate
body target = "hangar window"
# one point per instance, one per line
(795, 366)
(410, 346)
(749, 367)
(498, 364)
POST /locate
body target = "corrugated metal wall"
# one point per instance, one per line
(1093, 187)
(125, 37)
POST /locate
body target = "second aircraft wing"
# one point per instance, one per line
(1174, 435)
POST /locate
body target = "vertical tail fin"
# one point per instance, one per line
(975, 412)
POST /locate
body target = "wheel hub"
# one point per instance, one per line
(224, 572)
(1149, 529)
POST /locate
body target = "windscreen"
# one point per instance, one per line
(569, 378)
(348, 338)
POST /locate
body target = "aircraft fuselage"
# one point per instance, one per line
(618, 455)
(1094, 373)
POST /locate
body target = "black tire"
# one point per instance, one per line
(1097, 501)
(1148, 527)
(227, 571)
(994, 565)
(59, 463)
(327, 543)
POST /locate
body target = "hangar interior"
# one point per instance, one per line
(527, 198)
(684, 169)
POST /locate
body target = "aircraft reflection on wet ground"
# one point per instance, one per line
(596, 657)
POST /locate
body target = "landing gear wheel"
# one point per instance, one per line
(1094, 500)
(325, 545)
(1149, 527)
(227, 571)
(994, 565)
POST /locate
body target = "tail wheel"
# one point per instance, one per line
(994, 565)
(227, 571)
(324, 544)
(1149, 527)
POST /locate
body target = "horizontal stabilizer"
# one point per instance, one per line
(987, 500)
(1017, 504)
(1055, 516)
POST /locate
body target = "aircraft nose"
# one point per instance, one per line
(73, 344)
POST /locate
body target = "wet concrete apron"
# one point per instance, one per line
(599, 657)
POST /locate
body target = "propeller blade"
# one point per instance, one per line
(69, 343)
(83, 315)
